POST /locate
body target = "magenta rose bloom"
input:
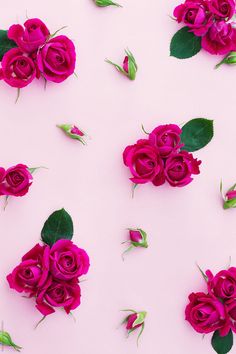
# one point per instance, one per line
(207, 314)
(220, 39)
(32, 272)
(180, 167)
(18, 70)
(144, 163)
(195, 15)
(67, 261)
(58, 294)
(17, 181)
(231, 309)
(222, 8)
(223, 284)
(166, 138)
(30, 38)
(56, 59)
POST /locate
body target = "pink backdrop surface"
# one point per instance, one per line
(184, 226)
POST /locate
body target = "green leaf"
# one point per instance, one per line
(5, 43)
(58, 226)
(196, 134)
(222, 345)
(185, 44)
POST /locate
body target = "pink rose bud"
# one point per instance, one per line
(73, 132)
(230, 198)
(134, 321)
(5, 340)
(137, 238)
(129, 68)
(105, 3)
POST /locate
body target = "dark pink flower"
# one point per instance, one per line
(18, 70)
(166, 138)
(207, 314)
(56, 59)
(67, 261)
(144, 162)
(180, 167)
(55, 293)
(224, 9)
(30, 38)
(195, 15)
(231, 309)
(17, 181)
(223, 284)
(32, 272)
(75, 130)
(131, 320)
(220, 39)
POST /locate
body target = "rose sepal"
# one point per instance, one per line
(5, 340)
(143, 243)
(105, 3)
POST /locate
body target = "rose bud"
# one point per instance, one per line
(230, 59)
(129, 68)
(230, 198)
(134, 321)
(137, 238)
(5, 339)
(105, 3)
(73, 132)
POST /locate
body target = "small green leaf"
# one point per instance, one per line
(196, 134)
(5, 43)
(58, 226)
(222, 345)
(185, 44)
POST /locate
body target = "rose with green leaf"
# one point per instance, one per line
(165, 155)
(50, 273)
(135, 321)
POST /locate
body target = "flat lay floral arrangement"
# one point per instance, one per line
(207, 25)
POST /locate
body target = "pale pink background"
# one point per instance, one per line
(184, 225)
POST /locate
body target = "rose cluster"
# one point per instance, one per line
(161, 158)
(36, 53)
(210, 19)
(15, 180)
(51, 275)
(216, 309)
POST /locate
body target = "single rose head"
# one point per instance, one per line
(73, 132)
(56, 59)
(180, 167)
(195, 15)
(67, 261)
(144, 162)
(207, 314)
(230, 198)
(105, 3)
(134, 321)
(220, 39)
(222, 9)
(32, 272)
(138, 238)
(223, 284)
(5, 340)
(30, 37)
(18, 70)
(231, 309)
(58, 293)
(129, 68)
(17, 181)
(166, 138)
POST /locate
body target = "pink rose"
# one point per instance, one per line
(207, 314)
(18, 70)
(32, 272)
(58, 294)
(144, 163)
(223, 284)
(222, 8)
(30, 38)
(195, 15)
(180, 167)
(166, 138)
(56, 59)
(17, 181)
(220, 39)
(67, 261)
(231, 309)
